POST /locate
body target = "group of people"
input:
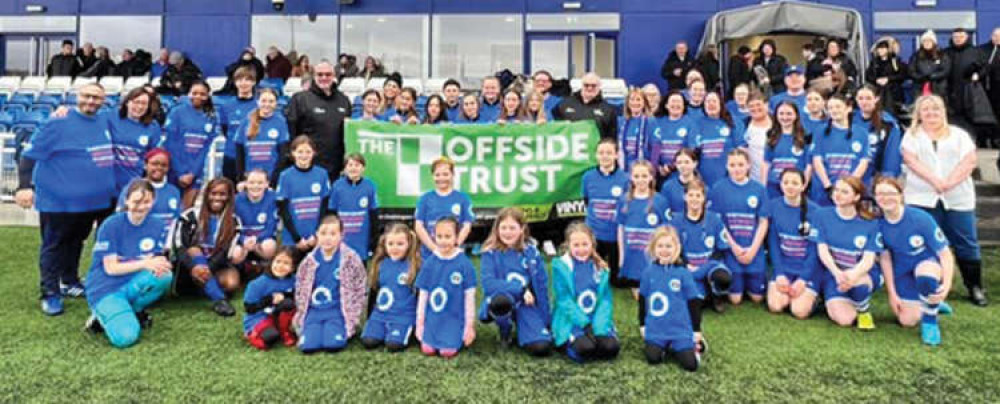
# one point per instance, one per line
(691, 198)
(90, 61)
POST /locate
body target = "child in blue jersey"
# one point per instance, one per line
(371, 103)
(446, 306)
(129, 270)
(262, 141)
(583, 322)
(814, 119)
(134, 133)
(330, 292)
(917, 264)
(516, 285)
(269, 302)
(787, 148)
(511, 109)
(302, 194)
(737, 107)
(353, 199)
(839, 150)
(257, 208)
(190, 128)
(435, 111)
(635, 130)
(716, 136)
(470, 111)
(233, 117)
(702, 236)
(740, 202)
(167, 203)
(405, 112)
(669, 304)
(392, 298)
(640, 211)
(793, 254)
(441, 202)
(884, 136)
(673, 131)
(846, 242)
(687, 171)
(603, 186)
(696, 95)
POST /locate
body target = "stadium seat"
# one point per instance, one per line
(353, 85)
(34, 84)
(134, 82)
(274, 83)
(21, 98)
(9, 84)
(433, 86)
(82, 81)
(575, 85)
(6, 121)
(216, 83)
(42, 110)
(292, 86)
(614, 88)
(33, 117)
(375, 83)
(155, 82)
(414, 82)
(112, 84)
(49, 101)
(70, 99)
(15, 110)
(58, 84)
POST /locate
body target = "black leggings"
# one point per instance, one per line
(373, 343)
(656, 355)
(591, 347)
(609, 251)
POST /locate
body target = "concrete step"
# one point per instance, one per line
(987, 189)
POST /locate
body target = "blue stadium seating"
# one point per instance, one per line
(25, 99)
(274, 83)
(15, 109)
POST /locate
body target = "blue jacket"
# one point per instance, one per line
(566, 313)
(495, 281)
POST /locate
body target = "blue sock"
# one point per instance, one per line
(213, 290)
(861, 295)
(927, 286)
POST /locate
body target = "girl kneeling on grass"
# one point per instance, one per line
(703, 239)
(330, 292)
(516, 285)
(583, 318)
(269, 303)
(257, 209)
(792, 251)
(392, 299)
(740, 201)
(640, 211)
(446, 309)
(669, 303)
(129, 271)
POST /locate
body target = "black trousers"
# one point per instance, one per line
(63, 235)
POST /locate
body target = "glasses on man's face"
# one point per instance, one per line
(590, 85)
(324, 74)
(91, 96)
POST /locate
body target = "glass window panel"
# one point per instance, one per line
(398, 41)
(317, 39)
(464, 50)
(120, 32)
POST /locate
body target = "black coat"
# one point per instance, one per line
(847, 66)
(814, 68)
(924, 68)
(991, 73)
(672, 63)
(321, 117)
(775, 71)
(966, 60)
(230, 87)
(893, 69)
(739, 72)
(573, 108)
(63, 65)
(709, 67)
(178, 80)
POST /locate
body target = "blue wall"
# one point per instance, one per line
(213, 31)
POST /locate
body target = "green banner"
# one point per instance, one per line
(538, 168)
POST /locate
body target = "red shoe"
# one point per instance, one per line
(289, 339)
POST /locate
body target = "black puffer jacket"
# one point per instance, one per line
(775, 67)
(321, 117)
(893, 69)
(925, 67)
(672, 63)
(178, 80)
(573, 108)
(966, 60)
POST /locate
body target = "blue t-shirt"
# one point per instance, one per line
(798, 100)
(188, 137)
(885, 146)
(741, 207)
(304, 191)
(695, 112)
(454, 111)
(639, 218)
(232, 115)
(634, 136)
(265, 285)
(669, 137)
(326, 285)
(781, 157)
(847, 239)
(702, 239)
(489, 112)
(259, 219)
(74, 164)
(602, 192)
(131, 140)
(714, 140)
(667, 290)
(355, 203)
(432, 207)
(262, 152)
(813, 127)
(445, 281)
(673, 190)
(396, 301)
(791, 252)
(915, 238)
(119, 237)
(735, 112)
(586, 282)
(840, 152)
(166, 205)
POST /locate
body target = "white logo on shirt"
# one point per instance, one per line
(172, 203)
(860, 241)
(616, 191)
(439, 298)
(939, 235)
(675, 285)
(146, 244)
(456, 208)
(143, 140)
(658, 304)
(342, 110)
(514, 276)
(598, 112)
(724, 131)
(363, 202)
(570, 110)
(401, 279)
(796, 151)
(856, 146)
(273, 133)
(321, 295)
(319, 110)
(208, 127)
(710, 241)
(456, 278)
(652, 219)
(262, 217)
(682, 132)
(385, 299)
(752, 201)
(316, 188)
(587, 301)
(916, 241)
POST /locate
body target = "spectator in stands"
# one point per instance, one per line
(588, 104)
(740, 66)
(938, 160)
(491, 103)
(67, 172)
(302, 67)
(774, 66)
(161, 64)
(930, 68)
(319, 113)
(708, 64)
(887, 73)
(966, 64)
(87, 56)
(836, 57)
(812, 61)
(373, 68)
(452, 90)
(543, 85)
(390, 90)
(65, 63)
(179, 76)
(676, 66)
(347, 66)
(103, 66)
(651, 93)
(435, 111)
(991, 70)
(278, 66)
(247, 59)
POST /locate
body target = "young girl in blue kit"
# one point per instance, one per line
(188, 133)
(669, 303)
(257, 209)
(583, 314)
(353, 199)
(847, 244)
(263, 138)
(703, 239)
(793, 283)
(840, 149)
(446, 306)
(674, 131)
(330, 292)
(686, 164)
(640, 211)
(515, 284)
(269, 302)
(303, 190)
(884, 136)
(129, 270)
(443, 201)
(167, 203)
(787, 148)
(635, 130)
(716, 136)
(392, 297)
(740, 202)
(603, 186)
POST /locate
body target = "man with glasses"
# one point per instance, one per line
(67, 172)
(543, 84)
(319, 113)
(587, 104)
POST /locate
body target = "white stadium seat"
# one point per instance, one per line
(82, 81)
(34, 84)
(9, 84)
(416, 83)
(134, 82)
(434, 86)
(575, 85)
(112, 84)
(614, 88)
(292, 86)
(352, 85)
(58, 84)
(216, 83)
(375, 83)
